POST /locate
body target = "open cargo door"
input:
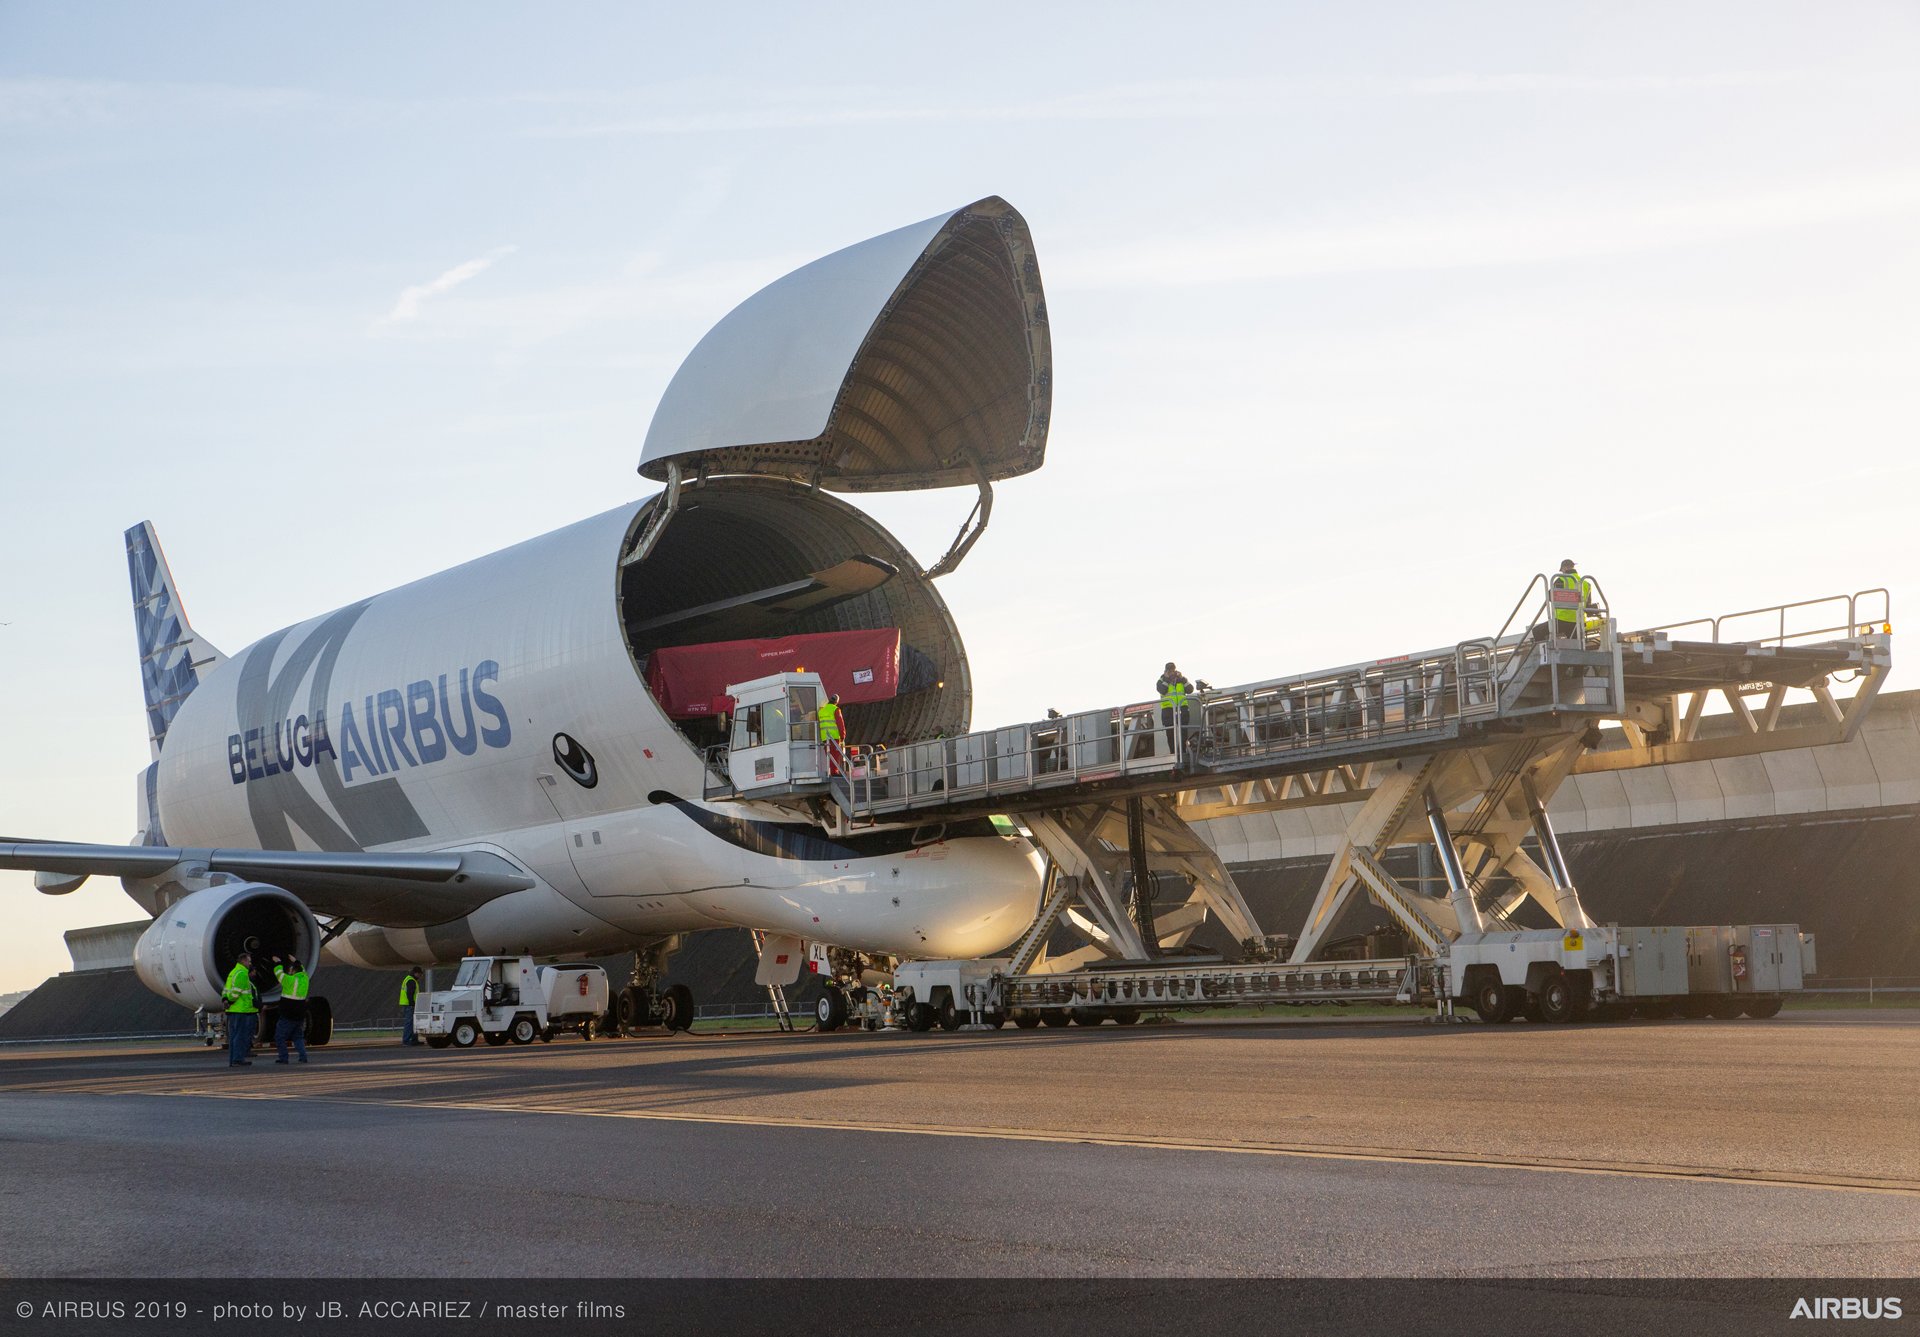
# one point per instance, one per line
(915, 359)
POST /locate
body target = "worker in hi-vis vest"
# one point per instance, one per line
(243, 1012)
(1572, 595)
(1173, 688)
(290, 1019)
(409, 988)
(829, 718)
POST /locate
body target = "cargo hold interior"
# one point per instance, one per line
(745, 558)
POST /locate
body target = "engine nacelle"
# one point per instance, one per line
(185, 954)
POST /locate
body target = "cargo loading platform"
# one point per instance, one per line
(1458, 749)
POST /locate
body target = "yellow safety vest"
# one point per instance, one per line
(1578, 584)
(829, 717)
(1175, 695)
(239, 990)
(293, 984)
(407, 986)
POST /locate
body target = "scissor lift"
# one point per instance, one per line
(1459, 749)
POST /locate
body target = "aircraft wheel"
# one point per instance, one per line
(830, 1010)
(632, 1009)
(319, 1021)
(523, 1031)
(466, 1033)
(1556, 1003)
(676, 1008)
(1762, 1008)
(1491, 1002)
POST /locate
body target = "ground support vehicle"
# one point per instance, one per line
(502, 999)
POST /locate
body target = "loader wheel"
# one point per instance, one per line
(1695, 1006)
(1126, 1016)
(1490, 1001)
(1517, 1001)
(1055, 1016)
(466, 1033)
(523, 1031)
(920, 1018)
(496, 1038)
(1726, 1007)
(439, 1041)
(1025, 1018)
(951, 1017)
(1762, 1008)
(1556, 1003)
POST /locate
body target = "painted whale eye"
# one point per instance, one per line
(575, 760)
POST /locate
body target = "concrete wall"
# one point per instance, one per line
(1880, 768)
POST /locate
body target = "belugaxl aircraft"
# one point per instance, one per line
(510, 756)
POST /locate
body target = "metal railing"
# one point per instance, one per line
(1345, 708)
(1859, 620)
(1542, 615)
(1870, 988)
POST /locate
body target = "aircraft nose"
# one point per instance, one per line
(991, 894)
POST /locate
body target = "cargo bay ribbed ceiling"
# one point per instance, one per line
(916, 359)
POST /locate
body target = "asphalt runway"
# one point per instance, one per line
(1781, 1148)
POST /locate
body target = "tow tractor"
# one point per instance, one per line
(508, 998)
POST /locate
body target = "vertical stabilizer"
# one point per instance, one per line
(172, 656)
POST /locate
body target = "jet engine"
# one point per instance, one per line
(186, 952)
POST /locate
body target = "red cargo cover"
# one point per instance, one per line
(690, 681)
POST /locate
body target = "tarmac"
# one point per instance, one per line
(1783, 1148)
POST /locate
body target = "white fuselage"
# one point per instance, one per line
(425, 718)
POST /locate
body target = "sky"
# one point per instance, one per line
(1361, 315)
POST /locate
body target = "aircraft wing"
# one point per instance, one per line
(391, 890)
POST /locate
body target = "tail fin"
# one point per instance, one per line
(172, 655)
